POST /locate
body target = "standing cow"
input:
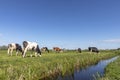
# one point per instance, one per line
(31, 46)
(57, 49)
(15, 46)
(93, 49)
(79, 50)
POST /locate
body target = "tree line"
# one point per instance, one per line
(3, 47)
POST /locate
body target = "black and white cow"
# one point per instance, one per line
(43, 49)
(31, 46)
(93, 49)
(14, 46)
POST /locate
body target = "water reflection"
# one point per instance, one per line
(87, 73)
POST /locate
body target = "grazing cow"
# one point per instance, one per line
(93, 49)
(118, 48)
(31, 46)
(15, 46)
(57, 49)
(79, 50)
(43, 49)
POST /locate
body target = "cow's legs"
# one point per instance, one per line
(39, 54)
(90, 51)
(16, 53)
(35, 54)
(8, 51)
(11, 52)
(25, 52)
(31, 52)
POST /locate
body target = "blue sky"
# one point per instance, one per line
(64, 23)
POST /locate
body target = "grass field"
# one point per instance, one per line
(112, 71)
(48, 66)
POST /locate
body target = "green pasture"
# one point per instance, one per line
(48, 66)
(112, 71)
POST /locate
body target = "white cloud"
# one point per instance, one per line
(112, 40)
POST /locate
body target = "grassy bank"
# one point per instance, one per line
(48, 66)
(112, 71)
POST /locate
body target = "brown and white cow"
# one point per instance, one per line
(57, 49)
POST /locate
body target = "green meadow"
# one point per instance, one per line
(112, 71)
(49, 65)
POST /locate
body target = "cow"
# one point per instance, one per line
(43, 49)
(27, 45)
(57, 49)
(93, 49)
(118, 48)
(79, 50)
(14, 46)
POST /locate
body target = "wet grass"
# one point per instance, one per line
(47, 67)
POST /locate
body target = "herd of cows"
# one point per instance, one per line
(33, 46)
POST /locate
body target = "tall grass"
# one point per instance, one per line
(112, 71)
(47, 67)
